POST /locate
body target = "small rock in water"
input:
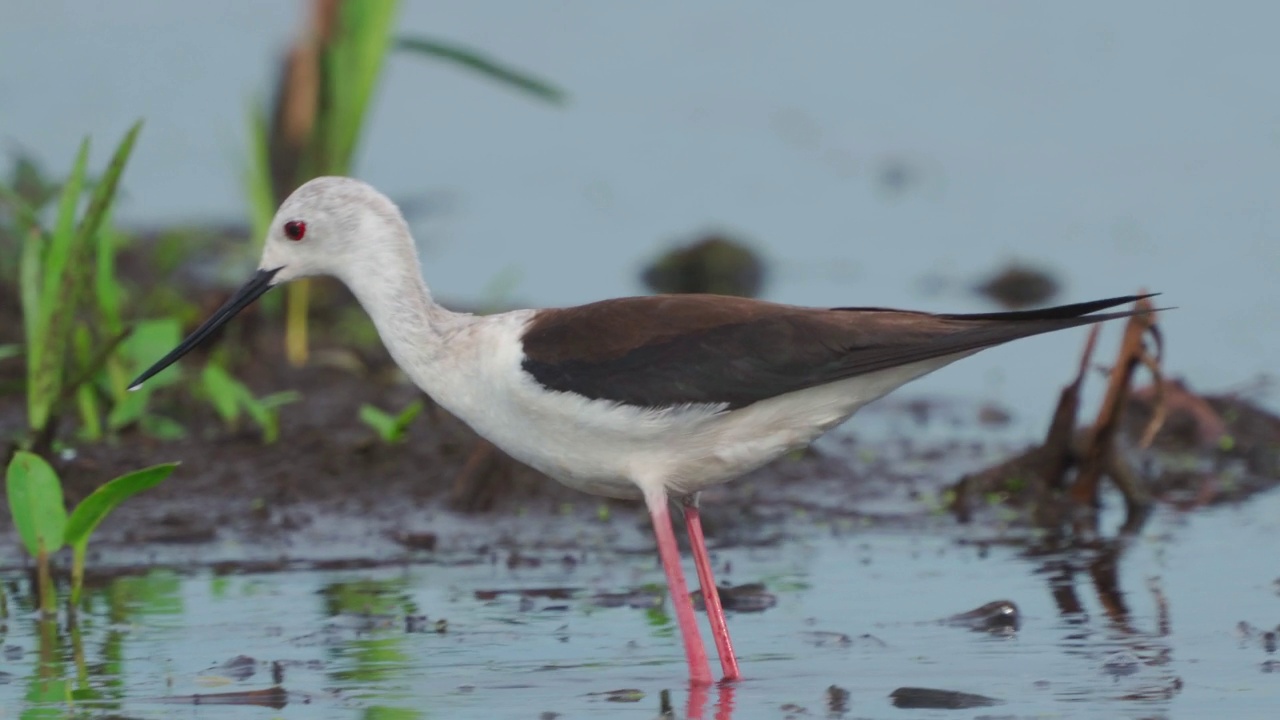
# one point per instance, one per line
(627, 695)
(1269, 641)
(237, 669)
(997, 616)
(928, 698)
(748, 597)
(1122, 664)
(638, 599)
(837, 700)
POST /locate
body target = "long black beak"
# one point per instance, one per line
(259, 284)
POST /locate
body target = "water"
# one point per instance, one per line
(855, 609)
(1121, 145)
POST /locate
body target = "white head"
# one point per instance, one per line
(330, 226)
(336, 226)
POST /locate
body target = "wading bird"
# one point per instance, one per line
(655, 398)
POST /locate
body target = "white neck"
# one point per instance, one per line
(387, 282)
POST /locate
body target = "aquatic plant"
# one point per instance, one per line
(69, 295)
(230, 398)
(40, 516)
(317, 118)
(390, 428)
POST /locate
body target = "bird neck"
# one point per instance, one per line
(413, 326)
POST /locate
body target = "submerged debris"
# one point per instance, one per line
(928, 698)
(748, 597)
(1041, 474)
(997, 616)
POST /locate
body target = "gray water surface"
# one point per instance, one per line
(855, 608)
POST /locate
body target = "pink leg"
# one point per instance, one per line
(699, 669)
(710, 595)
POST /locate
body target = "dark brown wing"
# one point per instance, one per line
(671, 350)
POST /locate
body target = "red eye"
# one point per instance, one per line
(295, 229)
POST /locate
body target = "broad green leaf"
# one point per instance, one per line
(148, 340)
(492, 69)
(92, 510)
(35, 499)
(10, 351)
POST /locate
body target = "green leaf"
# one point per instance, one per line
(353, 62)
(265, 411)
(477, 61)
(150, 339)
(382, 423)
(390, 428)
(104, 192)
(35, 499)
(10, 351)
(161, 427)
(26, 215)
(94, 509)
(225, 393)
(48, 322)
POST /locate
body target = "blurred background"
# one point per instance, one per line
(890, 154)
(893, 154)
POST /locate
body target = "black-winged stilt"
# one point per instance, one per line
(646, 397)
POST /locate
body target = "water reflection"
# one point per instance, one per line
(1125, 649)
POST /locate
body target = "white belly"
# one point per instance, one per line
(604, 448)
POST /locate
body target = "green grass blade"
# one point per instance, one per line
(48, 330)
(261, 197)
(107, 289)
(382, 423)
(225, 393)
(56, 254)
(490, 68)
(406, 417)
(94, 509)
(35, 499)
(353, 63)
(22, 210)
(104, 192)
(29, 290)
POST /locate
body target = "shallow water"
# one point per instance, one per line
(855, 609)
